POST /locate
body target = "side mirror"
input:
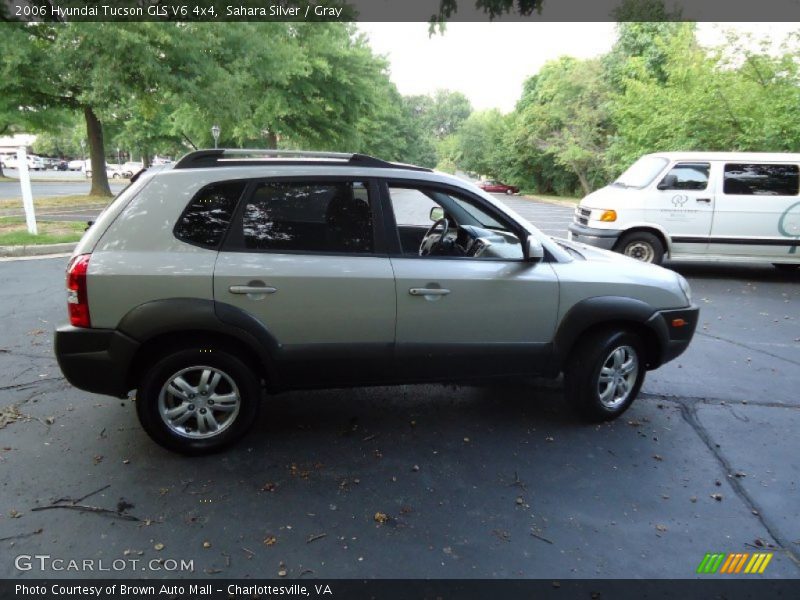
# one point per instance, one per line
(437, 212)
(535, 249)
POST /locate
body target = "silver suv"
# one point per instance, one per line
(234, 272)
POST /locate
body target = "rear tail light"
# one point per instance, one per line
(77, 298)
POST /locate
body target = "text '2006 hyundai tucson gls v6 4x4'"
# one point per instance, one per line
(233, 272)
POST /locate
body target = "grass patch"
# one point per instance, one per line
(14, 232)
(564, 200)
(58, 201)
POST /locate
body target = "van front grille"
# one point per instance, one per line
(582, 215)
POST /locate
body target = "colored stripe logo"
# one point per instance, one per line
(734, 562)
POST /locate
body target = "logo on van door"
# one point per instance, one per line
(678, 200)
(789, 224)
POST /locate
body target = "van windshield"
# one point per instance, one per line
(642, 172)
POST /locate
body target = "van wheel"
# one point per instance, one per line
(198, 402)
(604, 373)
(642, 246)
(787, 267)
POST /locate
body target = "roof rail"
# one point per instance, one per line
(226, 157)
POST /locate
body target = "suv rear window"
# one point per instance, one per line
(333, 217)
(206, 218)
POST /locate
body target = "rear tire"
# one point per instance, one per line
(197, 401)
(604, 373)
(642, 246)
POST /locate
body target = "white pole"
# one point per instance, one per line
(27, 193)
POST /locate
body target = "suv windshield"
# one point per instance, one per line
(642, 172)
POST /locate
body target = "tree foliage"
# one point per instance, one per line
(158, 87)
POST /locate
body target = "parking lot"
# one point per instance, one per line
(421, 481)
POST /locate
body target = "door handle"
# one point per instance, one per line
(706, 200)
(252, 289)
(428, 292)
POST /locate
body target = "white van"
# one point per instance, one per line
(704, 206)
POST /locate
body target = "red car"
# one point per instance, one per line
(497, 188)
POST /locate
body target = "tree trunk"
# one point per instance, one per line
(272, 141)
(1, 170)
(582, 179)
(97, 153)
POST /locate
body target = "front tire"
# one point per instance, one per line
(604, 373)
(197, 401)
(643, 246)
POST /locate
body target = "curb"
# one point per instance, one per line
(37, 250)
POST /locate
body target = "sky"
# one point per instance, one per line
(488, 62)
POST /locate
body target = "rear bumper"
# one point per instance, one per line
(600, 238)
(95, 360)
(673, 335)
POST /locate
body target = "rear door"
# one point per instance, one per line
(303, 257)
(758, 212)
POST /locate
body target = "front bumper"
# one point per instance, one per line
(600, 238)
(675, 329)
(95, 360)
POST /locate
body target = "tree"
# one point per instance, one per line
(481, 143)
(88, 68)
(442, 113)
(566, 117)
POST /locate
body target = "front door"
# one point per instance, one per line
(683, 204)
(303, 258)
(460, 314)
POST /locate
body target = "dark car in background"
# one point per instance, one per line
(495, 187)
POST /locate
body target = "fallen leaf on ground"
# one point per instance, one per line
(270, 540)
(661, 527)
(381, 517)
(159, 546)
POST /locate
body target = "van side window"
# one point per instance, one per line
(686, 176)
(761, 179)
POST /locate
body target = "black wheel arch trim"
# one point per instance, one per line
(177, 315)
(597, 310)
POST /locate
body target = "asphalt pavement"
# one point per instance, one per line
(63, 184)
(501, 481)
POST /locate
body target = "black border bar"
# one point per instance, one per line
(738, 588)
(401, 10)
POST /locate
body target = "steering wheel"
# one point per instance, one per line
(428, 241)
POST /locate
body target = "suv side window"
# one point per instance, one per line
(207, 216)
(686, 176)
(761, 180)
(330, 217)
(467, 221)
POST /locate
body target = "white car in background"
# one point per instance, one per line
(112, 171)
(35, 163)
(130, 168)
